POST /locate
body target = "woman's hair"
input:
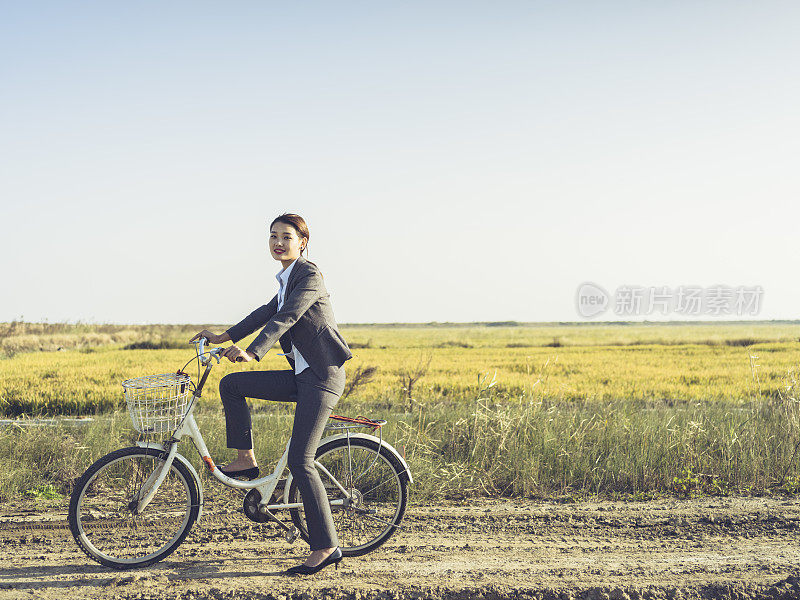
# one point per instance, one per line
(299, 225)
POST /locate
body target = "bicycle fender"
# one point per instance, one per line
(377, 440)
(188, 465)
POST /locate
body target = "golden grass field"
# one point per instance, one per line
(494, 409)
(580, 362)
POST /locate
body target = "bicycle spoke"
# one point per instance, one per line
(373, 517)
(106, 527)
(375, 496)
(385, 481)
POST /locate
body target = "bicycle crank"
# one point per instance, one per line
(261, 514)
(254, 512)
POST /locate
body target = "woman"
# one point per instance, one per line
(301, 318)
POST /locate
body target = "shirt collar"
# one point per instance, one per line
(284, 274)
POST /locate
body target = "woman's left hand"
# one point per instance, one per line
(234, 353)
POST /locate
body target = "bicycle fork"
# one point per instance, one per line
(148, 489)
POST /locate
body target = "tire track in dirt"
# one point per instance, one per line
(706, 548)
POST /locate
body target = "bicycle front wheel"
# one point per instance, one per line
(102, 509)
(377, 489)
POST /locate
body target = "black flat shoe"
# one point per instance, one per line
(334, 559)
(251, 473)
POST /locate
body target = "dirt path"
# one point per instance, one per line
(709, 548)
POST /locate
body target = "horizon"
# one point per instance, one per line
(433, 323)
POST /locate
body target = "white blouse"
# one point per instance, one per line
(300, 363)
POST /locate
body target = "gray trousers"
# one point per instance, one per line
(315, 400)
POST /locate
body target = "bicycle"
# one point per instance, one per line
(134, 506)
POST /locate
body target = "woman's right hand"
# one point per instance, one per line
(212, 337)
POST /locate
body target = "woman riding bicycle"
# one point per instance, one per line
(301, 318)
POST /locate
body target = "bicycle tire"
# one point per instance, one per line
(359, 531)
(102, 521)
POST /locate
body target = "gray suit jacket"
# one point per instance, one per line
(305, 319)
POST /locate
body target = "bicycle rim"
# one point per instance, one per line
(101, 509)
(377, 488)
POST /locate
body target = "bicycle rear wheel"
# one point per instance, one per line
(377, 484)
(101, 509)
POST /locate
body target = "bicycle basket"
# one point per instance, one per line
(158, 403)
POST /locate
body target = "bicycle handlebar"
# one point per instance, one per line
(214, 352)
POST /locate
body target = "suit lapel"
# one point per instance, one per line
(299, 264)
(286, 338)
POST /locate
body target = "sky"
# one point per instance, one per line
(455, 161)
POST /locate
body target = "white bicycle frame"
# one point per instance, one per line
(265, 485)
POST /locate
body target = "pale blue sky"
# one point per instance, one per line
(456, 161)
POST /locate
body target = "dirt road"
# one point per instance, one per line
(708, 548)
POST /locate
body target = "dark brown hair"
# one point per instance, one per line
(299, 225)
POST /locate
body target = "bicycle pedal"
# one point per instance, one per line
(292, 535)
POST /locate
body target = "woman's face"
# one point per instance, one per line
(284, 244)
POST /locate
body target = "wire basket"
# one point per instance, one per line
(158, 403)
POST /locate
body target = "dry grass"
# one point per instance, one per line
(490, 446)
(492, 410)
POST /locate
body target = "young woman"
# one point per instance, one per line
(301, 318)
